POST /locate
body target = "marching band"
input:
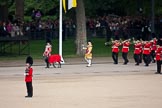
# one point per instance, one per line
(143, 50)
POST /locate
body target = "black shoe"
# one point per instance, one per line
(153, 61)
(137, 64)
(157, 73)
(146, 65)
(115, 63)
(125, 63)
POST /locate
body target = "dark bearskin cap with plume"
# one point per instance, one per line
(29, 60)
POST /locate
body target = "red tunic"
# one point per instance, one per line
(115, 47)
(147, 48)
(137, 48)
(141, 48)
(28, 77)
(125, 47)
(153, 47)
(159, 53)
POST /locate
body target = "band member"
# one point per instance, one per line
(158, 58)
(146, 53)
(141, 50)
(159, 55)
(115, 50)
(28, 79)
(153, 48)
(47, 53)
(137, 51)
(125, 50)
(88, 54)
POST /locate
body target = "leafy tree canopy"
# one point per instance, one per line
(92, 7)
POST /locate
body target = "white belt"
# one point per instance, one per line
(146, 48)
(125, 47)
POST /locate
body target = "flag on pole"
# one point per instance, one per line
(64, 5)
(68, 4)
(71, 4)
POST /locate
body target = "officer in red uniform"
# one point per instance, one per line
(141, 50)
(28, 79)
(125, 50)
(159, 55)
(137, 51)
(47, 53)
(158, 58)
(115, 50)
(146, 53)
(153, 48)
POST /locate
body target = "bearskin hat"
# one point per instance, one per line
(29, 60)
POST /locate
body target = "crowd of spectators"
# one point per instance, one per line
(123, 27)
(110, 26)
(35, 29)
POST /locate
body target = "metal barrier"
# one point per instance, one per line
(10, 45)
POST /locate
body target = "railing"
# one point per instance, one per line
(71, 33)
(10, 45)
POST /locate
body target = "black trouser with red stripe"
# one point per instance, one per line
(159, 62)
(47, 62)
(115, 57)
(29, 87)
(153, 56)
(124, 55)
(146, 59)
(140, 58)
(137, 58)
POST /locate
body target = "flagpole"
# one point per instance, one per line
(60, 32)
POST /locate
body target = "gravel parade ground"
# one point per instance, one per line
(104, 85)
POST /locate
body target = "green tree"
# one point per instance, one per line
(19, 12)
(3, 10)
(81, 37)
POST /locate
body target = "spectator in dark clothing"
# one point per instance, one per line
(33, 15)
(108, 33)
(3, 30)
(146, 33)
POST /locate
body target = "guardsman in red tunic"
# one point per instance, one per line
(137, 51)
(47, 53)
(158, 58)
(146, 53)
(125, 50)
(28, 79)
(115, 50)
(153, 48)
(141, 50)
